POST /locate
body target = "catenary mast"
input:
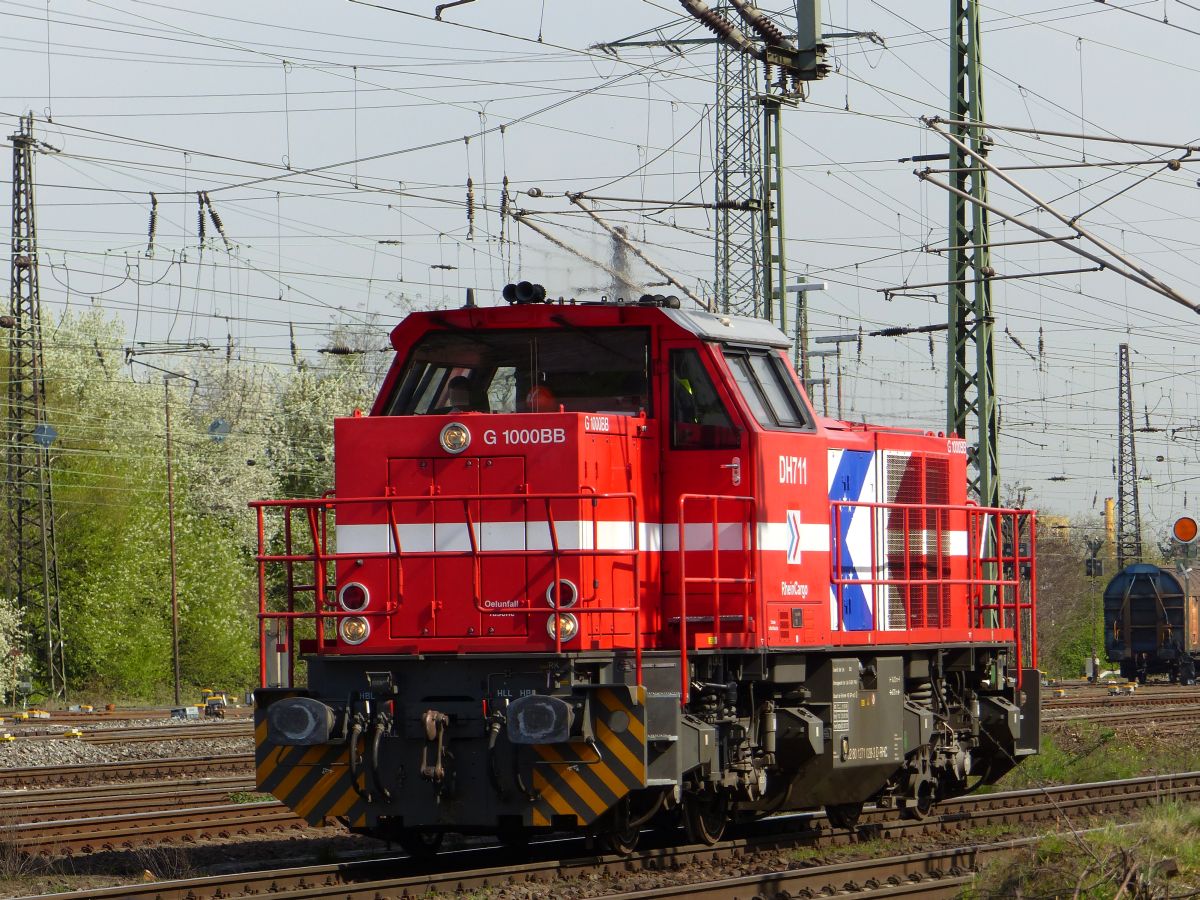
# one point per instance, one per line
(1129, 516)
(32, 565)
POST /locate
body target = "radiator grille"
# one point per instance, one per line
(914, 539)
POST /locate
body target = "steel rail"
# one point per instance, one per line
(1123, 700)
(140, 735)
(50, 804)
(937, 874)
(115, 832)
(170, 733)
(1184, 714)
(107, 773)
(121, 714)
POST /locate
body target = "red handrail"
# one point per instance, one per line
(316, 512)
(1013, 594)
(748, 546)
(995, 565)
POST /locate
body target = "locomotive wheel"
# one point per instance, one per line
(844, 815)
(623, 833)
(924, 804)
(622, 841)
(420, 844)
(705, 817)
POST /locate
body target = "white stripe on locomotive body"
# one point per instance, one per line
(773, 537)
(453, 537)
(958, 543)
(777, 536)
(572, 535)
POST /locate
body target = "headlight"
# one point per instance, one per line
(354, 597)
(567, 623)
(354, 630)
(455, 438)
(568, 594)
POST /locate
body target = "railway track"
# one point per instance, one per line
(142, 734)
(142, 769)
(1060, 703)
(1166, 715)
(940, 874)
(480, 868)
(93, 834)
(60, 803)
(125, 714)
(170, 733)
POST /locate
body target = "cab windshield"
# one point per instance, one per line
(547, 370)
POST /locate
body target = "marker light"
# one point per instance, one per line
(354, 597)
(567, 622)
(455, 438)
(1185, 529)
(567, 594)
(354, 630)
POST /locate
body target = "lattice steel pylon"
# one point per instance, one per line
(33, 564)
(972, 409)
(739, 182)
(750, 251)
(1129, 515)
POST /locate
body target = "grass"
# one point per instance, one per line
(249, 797)
(820, 856)
(162, 863)
(1159, 857)
(1097, 753)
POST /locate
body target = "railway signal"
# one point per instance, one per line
(1185, 530)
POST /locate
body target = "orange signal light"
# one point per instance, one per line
(1185, 529)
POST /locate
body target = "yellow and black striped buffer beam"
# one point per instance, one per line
(586, 779)
(314, 782)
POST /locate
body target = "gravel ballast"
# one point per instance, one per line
(70, 751)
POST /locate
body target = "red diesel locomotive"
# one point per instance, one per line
(591, 563)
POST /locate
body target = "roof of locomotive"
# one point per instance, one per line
(550, 313)
(705, 325)
(737, 329)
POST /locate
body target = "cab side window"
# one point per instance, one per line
(768, 388)
(699, 420)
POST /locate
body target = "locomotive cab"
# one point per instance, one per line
(591, 563)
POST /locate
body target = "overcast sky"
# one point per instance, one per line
(319, 130)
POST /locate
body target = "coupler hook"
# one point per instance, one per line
(435, 738)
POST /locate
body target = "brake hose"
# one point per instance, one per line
(494, 726)
(356, 730)
(381, 723)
